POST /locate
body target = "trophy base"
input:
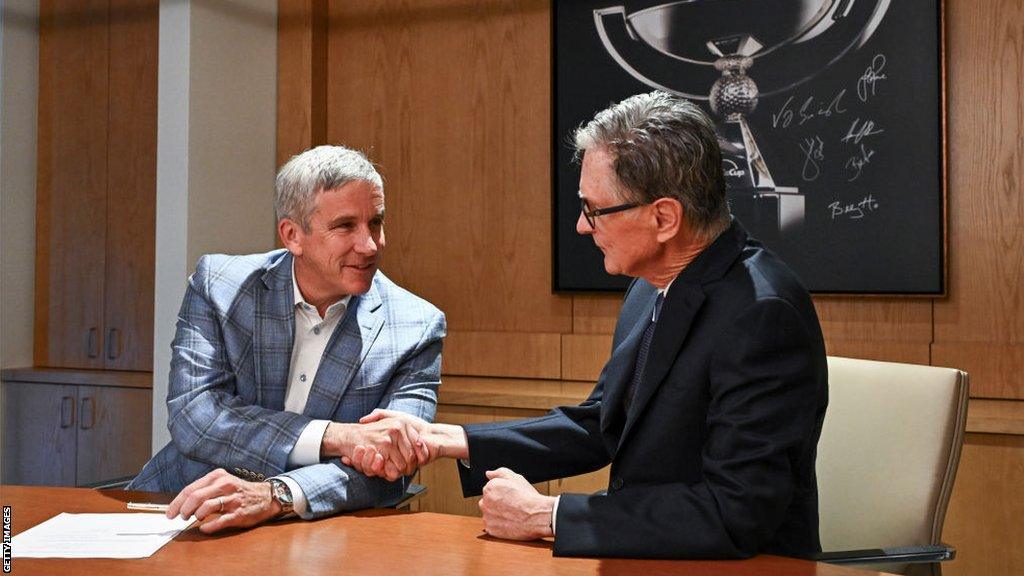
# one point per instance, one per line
(770, 214)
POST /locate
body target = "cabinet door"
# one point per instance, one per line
(113, 432)
(72, 183)
(39, 434)
(131, 195)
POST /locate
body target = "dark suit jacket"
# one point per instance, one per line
(716, 456)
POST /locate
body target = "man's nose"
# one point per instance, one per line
(582, 226)
(366, 245)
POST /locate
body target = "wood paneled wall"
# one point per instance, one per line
(980, 327)
(452, 98)
(985, 518)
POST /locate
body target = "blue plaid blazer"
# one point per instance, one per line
(229, 371)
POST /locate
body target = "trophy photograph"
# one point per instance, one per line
(814, 101)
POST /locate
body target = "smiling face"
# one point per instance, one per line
(340, 252)
(628, 239)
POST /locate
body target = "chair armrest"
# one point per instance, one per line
(904, 555)
(110, 483)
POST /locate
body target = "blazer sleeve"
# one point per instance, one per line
(331, 487)
(208, 421)
(765, 388)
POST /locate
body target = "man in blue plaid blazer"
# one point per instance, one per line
(278, 355)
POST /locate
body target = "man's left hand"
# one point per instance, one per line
(513, 508)
(220, 500)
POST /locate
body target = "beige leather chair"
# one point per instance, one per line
(887, 459)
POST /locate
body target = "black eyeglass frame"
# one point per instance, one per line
(591, 215)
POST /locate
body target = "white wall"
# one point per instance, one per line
(215, 150)
(19, 80)
(19, 70)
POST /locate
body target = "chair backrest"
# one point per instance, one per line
(888, 453)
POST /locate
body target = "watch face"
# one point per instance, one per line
(282, 493)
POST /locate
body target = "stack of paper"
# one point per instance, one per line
(98, 536)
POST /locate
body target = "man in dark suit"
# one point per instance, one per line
(710, 407)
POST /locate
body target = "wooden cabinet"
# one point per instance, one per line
(96, 196)
(39, 434)
(73, 434)
(95, 249)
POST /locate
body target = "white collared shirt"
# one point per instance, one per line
(312, 334)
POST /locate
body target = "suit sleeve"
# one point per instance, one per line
(331, 487)
(764, 390)
(565, 442)
(208, 421)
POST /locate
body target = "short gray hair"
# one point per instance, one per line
(663, 146)
(314, 171)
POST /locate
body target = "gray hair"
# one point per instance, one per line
(663, 146)
(314, 171)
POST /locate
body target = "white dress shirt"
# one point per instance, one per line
(312, 333)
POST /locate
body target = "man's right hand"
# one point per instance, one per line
(430, 441)
(394, 447)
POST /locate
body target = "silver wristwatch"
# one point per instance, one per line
(280, 491)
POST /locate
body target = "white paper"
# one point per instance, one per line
(131, 535)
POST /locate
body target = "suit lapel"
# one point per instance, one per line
(619, 369)
(273, 333)
(682, 303)
(345, 352)
(677, 313)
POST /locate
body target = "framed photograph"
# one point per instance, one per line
(830, 114)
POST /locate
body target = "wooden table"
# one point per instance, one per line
(367, 542)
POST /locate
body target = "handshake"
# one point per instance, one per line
(387, 444)
(391, 444)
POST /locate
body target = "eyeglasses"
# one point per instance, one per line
(590, 215)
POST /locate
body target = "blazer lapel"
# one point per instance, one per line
(345, 352)
(273, 333)
(677, 313)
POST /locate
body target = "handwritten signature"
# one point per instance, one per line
(859, 131)
(809, 109)
(814, 152)
(854, 210)
(857, 162)
(868, 81)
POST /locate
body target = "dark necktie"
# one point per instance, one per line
(641, 356)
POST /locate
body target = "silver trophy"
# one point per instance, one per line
(708, 49)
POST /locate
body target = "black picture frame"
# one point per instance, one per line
(874, 218)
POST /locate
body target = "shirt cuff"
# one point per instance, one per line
(554, 514)
(299, 503)
(307, 448)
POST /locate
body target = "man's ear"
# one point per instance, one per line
(289, 232)
(668, 214)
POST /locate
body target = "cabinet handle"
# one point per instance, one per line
(87, 401)
(113, 344)
(67, 412)
(92, 343)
